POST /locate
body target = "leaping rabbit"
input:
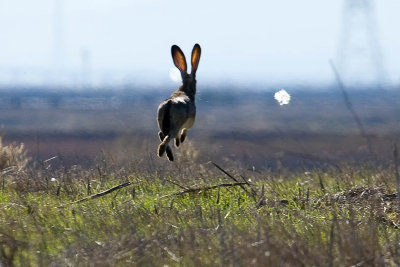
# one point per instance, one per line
(176, 114)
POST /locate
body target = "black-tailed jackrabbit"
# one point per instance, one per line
(176, 114)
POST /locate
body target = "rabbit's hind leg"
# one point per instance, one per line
(164, 145)
(177, 141)
(170, 156)
(161, 136)
(183, 135)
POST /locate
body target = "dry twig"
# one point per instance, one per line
(396, 170)
(350, 107)
(108, 191)
(237, 182)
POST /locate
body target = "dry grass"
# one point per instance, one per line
(13, 156)
(341, 216)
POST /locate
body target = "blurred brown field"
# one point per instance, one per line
(242, 125)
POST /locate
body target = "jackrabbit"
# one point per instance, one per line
(176, 114)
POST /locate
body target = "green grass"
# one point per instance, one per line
(337, 217)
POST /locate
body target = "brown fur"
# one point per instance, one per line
(177, 113)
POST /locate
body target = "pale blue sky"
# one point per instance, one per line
(268, 41)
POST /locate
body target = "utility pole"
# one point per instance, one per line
(360, 59)
(59, 41)
(86, 68)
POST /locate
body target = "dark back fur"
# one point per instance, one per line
(166, 123)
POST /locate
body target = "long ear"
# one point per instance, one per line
(196, 52)
(179, 58)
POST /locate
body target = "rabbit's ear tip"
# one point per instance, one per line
(197, 47)
(174, 48)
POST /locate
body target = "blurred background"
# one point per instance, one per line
(82, 78)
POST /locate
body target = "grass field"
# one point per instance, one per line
(192, 214)
(256, 184)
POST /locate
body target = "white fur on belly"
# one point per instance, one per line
(182, 99)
